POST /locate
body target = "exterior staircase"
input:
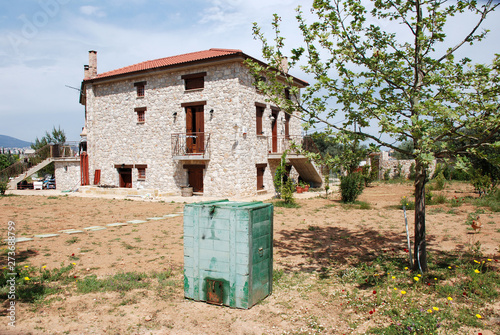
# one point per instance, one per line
(307, 170)
(32, 170)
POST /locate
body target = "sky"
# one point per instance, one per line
(44, 45)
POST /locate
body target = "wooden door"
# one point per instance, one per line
(195, 128)
(274, 126)
(125, 177)
(195, 177)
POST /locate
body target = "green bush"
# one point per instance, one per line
(4, 185)
(440, 181)
(287, 192)
(405, 202)
(351, 187)
(387, 174)
(439, 199)
(482, 183)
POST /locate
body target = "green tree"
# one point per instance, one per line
(57, 136)
(7, 160)
(406, 146)
(343, 154)
(403, 77)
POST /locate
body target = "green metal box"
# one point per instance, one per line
(228, 252)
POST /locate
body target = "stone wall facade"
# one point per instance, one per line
(115, 137)
(67, 174)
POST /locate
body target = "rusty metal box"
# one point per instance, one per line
(228, 252)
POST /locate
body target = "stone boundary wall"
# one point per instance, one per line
(387, 163)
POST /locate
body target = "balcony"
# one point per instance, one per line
(276, 145)
(191, 146)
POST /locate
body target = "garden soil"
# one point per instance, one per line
(316, 239)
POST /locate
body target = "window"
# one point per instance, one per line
(140, 88)
(261, 168)
(194, 81)
(141, 114)
(287, 94)
(259, 113)
(141, 171)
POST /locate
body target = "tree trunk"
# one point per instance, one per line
(420, 258)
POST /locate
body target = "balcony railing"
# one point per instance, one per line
(193, 145)
(276, 145)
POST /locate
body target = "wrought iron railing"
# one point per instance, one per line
(278, 144)
(191, 144)
(27, 161)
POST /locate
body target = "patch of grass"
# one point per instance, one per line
(456, 288)
(356, 205)
(128, 246)
(120, 282)
(72, 240)
(282, 203)
(491, 200)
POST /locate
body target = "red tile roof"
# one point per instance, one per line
(169, 61)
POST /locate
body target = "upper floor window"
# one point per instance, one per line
(141, 114)
(259, 113)
(194, 81)
(287, 93)
(140, 87)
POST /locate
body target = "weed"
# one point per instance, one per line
(72, 240)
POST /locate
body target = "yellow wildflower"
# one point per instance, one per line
(403, 292)
(478, 316)
(435, 308)
(450, 298)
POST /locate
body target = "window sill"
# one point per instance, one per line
(194, 90)
(261, 191)
(141, 179)
(141, 122)
(261, 136)
(140, 97)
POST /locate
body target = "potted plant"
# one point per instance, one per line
(299, 188)
(306, 187)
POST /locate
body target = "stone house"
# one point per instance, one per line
(194, 119)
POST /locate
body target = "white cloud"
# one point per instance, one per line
(92, 11)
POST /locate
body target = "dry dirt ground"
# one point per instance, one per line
(321, 234)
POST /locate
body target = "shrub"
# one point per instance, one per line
(351, 187)
(387, 174)
(439, 199)
(287, 192)
(405, 202)
(4, 185)
(428, 196)
(439, 180)
(369, 174)
(482, 183)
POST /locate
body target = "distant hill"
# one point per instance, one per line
(11, 142)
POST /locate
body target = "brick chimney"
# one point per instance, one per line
(92, 67)
(86, 74)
